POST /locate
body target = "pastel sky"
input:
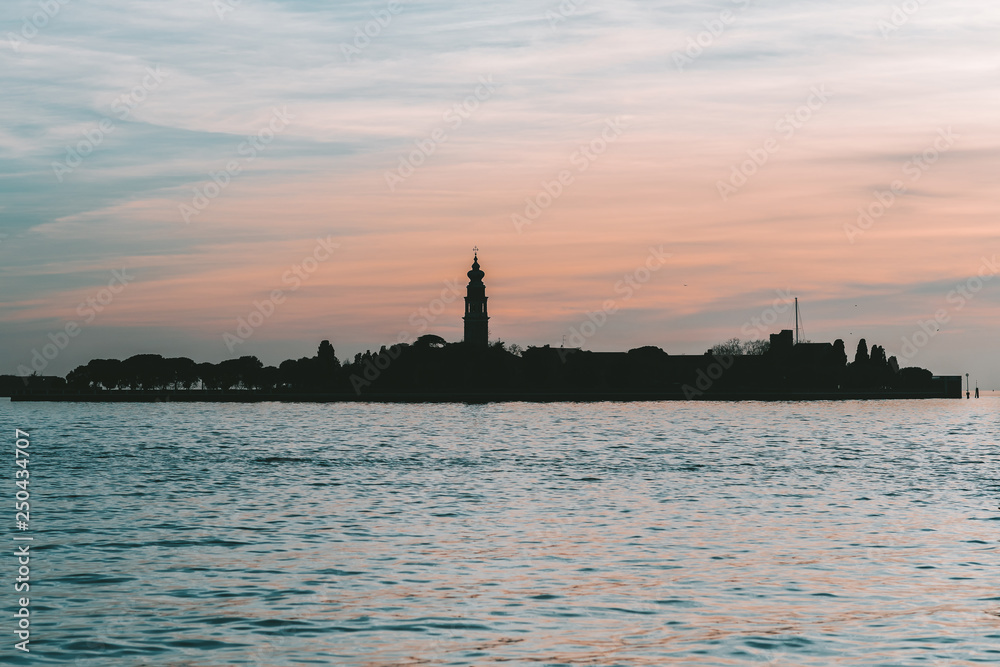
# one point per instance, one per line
(737, 140)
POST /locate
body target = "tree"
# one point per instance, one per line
(243, 372)
(270, 378)
(327, 356)
(878, 359)
(327, 365)
(893, 364)
(299, 374)
(80, 377)
(737, 347)
(839, 353)
(209, 375)
(756, 347)
(183, 372)
(145, 371)
(429, 340)
(861, 356)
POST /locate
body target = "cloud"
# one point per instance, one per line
(560, 75)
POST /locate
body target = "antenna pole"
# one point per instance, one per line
(796, 320)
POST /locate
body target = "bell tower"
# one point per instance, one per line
(477, 331)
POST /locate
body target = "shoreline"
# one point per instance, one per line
(247, 396)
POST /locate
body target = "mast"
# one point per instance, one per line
(796, 320)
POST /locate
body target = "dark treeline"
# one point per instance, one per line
(155, 372)
(430, 366)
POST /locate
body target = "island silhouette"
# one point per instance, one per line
(474, 370)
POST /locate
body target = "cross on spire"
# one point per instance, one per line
(475, 249)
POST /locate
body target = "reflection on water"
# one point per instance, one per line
(860, 533)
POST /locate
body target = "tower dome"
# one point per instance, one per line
(475, 274)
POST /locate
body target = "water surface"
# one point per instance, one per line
(847, 533)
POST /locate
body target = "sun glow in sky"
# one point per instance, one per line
(351, 154)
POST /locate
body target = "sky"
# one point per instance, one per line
(216, 178)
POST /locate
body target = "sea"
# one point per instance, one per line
(673, 533)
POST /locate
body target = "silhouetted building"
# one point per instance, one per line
(781, 343)
(477, 330)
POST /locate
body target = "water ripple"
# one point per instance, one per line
(856, 533)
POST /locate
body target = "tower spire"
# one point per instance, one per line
(477, 332)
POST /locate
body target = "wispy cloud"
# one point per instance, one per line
(558, 81)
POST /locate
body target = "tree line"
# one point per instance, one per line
(430, 365)
(156, 372)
